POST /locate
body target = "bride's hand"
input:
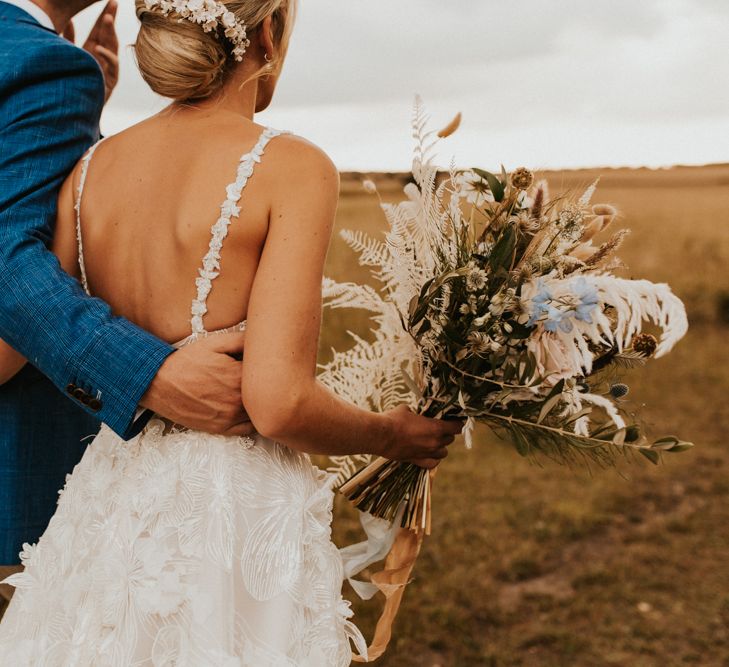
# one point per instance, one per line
(418, 439)
(199, 386)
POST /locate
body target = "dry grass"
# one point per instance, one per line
(550, 567)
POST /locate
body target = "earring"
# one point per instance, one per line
(267, 58)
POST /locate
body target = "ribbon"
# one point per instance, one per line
(381, 536)
(402, 546)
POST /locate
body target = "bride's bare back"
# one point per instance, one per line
(150, 198)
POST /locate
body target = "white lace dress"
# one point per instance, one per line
(183, 548)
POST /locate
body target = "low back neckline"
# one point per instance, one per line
(210, 269)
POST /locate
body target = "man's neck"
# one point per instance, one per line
(60, 15)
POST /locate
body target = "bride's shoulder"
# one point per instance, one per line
(295, 157)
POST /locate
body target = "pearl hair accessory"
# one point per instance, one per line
(209, 15)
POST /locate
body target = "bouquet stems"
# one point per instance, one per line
(383, 486)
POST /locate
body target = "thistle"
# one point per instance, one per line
(619, 390)
(645, 343)
(522, 178)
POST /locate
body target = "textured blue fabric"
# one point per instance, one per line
(41, 440)
(51, 96)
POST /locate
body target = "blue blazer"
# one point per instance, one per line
(87, 365)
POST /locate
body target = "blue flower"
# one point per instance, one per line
(543, 294)
(539, 303)
(558, 319)
(589, 299)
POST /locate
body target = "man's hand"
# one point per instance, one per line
(199, 386)
(103, 45)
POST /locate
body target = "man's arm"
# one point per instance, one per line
(50, 113)
(50, 101)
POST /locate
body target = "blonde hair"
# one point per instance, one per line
(179, 60)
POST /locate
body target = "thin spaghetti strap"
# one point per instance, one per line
(77, 206)
(228, 210)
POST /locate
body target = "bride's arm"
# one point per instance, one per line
(65, 248)
(11, 362)
(280, 391)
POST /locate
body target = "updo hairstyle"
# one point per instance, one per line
(180, 61)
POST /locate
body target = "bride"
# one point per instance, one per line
(180, 547)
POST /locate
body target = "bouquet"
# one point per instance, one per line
(496, 306)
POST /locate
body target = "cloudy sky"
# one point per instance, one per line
(564, 83)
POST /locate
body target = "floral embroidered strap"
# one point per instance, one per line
(228, 210)
(77, 206)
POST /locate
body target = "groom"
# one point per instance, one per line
(86, 366)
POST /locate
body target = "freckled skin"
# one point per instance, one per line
(151, 196)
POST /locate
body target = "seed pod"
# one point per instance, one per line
(522, 178)
(619, 390)
(645, 343)
(451, 127)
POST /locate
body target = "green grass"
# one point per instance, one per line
(547, 567)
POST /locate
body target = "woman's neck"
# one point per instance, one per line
(233, 99)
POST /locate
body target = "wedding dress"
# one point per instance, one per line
(184, 548)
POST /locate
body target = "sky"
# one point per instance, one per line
(558, 84)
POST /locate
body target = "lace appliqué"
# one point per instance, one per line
(77, 207)
(228, 210)
(188, 549)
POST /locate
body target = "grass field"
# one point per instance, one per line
(549, 567)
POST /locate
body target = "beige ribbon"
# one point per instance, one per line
(392, 581)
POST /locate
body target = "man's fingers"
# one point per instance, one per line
(245, 428)
(110, 63)
(111, 9)
(108, 33)
(103, 31)
(229, 343)
(70, 32)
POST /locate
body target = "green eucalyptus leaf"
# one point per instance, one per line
(426, 287)
(573, 418)
(651, 455)
(521, 443)
(632, 433)
(495, 185)
(503, 250)
(681, 447)
(509, 372)
(547, 407)
(424, 327)
(666, 439)
(557, 389)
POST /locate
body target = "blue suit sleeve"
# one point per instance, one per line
(49, 110)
